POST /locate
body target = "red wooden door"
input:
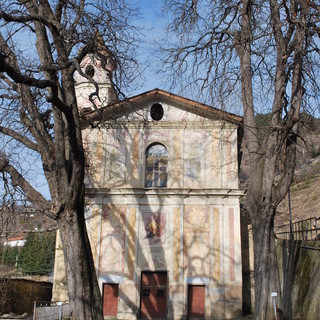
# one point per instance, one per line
(196, 302)
(110, 299)
(153, 295)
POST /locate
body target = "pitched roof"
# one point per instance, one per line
(16, 238)
(126, 106)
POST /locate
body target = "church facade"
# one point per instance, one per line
(163, 204)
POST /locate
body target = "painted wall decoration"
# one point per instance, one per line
(116, 158)
(153, 259)
(197, 218)
(197, 164)
(112, 239)
(153, 228)
(196, 239)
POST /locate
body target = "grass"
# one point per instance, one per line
(303, 185)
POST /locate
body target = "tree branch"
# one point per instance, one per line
(23, 19)
(19, 137)
(20, 78)
(19, 181)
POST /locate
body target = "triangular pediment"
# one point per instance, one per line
(177, 108)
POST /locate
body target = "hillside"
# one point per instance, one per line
(304, 195)
(305, 190)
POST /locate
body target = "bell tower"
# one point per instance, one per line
(94, 86)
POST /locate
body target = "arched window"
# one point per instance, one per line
(156, 166)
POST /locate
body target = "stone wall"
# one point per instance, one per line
(299, 269)
(247, 264)
(18, 295)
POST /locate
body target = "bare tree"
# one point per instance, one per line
(41, 45)
(268, 51)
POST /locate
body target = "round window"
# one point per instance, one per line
(89, 71)
(156, 111)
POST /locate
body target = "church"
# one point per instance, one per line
(162, 202)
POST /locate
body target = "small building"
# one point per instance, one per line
(15, 242)
(163, 203)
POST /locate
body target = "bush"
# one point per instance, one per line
(37, 255)
(315, 152)
(9, 256)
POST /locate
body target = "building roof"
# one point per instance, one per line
(16, 238)
(120, 108)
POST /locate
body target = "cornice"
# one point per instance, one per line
(144, 192)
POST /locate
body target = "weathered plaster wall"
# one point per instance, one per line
(85, 89)
(191, 229)
(202, 154)
(59, 290)
(198, 242)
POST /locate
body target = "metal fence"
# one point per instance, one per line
(308, 229)
(44, 310)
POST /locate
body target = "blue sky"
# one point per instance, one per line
(153, 24)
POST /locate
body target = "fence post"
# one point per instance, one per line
(274, 295)
(60, 311)
(34, 310)
(290, 216)
(307, 229)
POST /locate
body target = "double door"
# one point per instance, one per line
(153, 295)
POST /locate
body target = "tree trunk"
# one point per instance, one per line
(266, 274)
(83, 288)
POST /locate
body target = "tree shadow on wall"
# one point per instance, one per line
(148, 229)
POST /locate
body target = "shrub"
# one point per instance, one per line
(37, 255)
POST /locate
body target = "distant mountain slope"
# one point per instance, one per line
(305, 190)
(304, 195)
